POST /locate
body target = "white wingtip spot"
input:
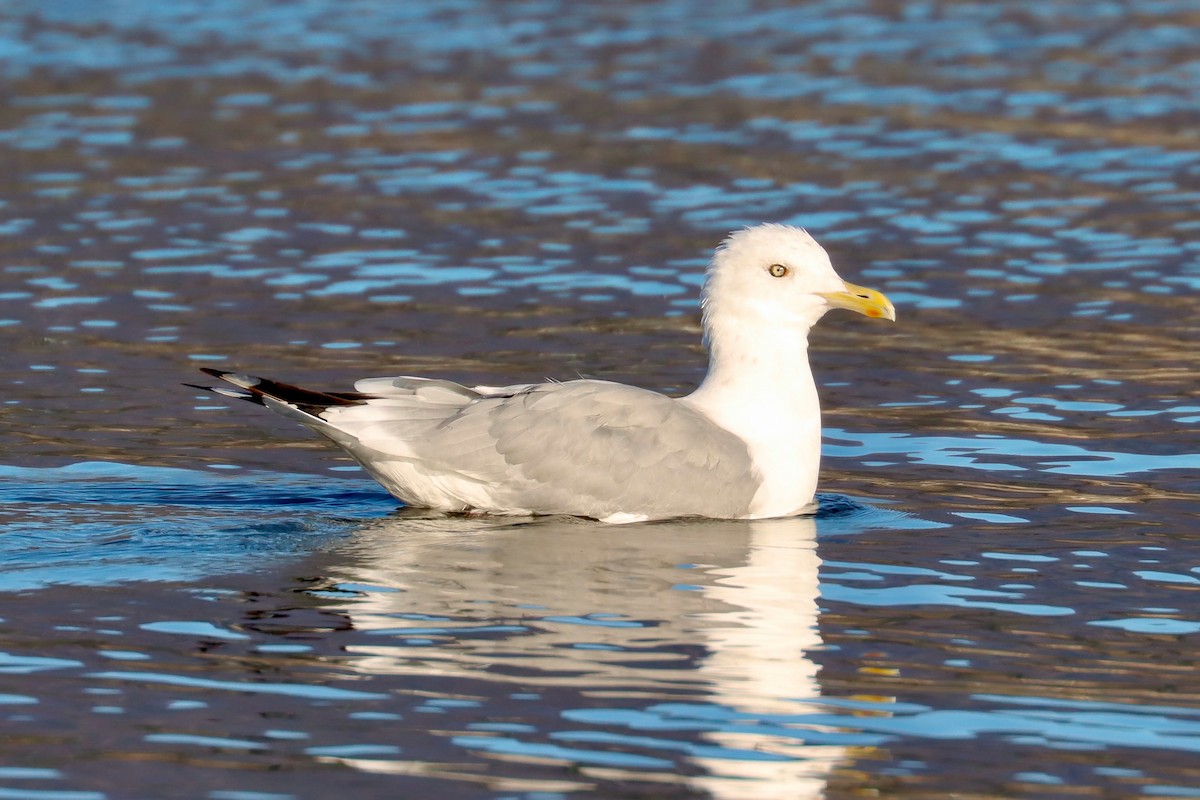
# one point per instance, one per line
(623, 518)
(242, 380)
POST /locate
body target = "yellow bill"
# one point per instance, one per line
(863, 300)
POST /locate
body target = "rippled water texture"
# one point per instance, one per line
(998, 597)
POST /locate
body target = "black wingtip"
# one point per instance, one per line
(254, 389)
(235, 394)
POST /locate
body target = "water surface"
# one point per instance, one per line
(997, 598)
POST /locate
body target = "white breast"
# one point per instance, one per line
(784, 440)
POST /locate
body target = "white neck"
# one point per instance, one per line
(760, 387)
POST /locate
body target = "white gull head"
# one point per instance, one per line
(776, 277)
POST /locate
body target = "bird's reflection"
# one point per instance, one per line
(717, 613)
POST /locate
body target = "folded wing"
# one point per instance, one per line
(589, 448)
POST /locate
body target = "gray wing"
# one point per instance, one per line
(590, 448)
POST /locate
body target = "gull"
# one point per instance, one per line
(746, 444)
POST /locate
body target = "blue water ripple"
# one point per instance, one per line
(969, 452)
(1158, 625)
(513, 747)
(690, 748)
(203, 741)
(930, 594)
(304, 692)
(203, 630)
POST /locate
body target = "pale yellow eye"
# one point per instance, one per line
(777, 270)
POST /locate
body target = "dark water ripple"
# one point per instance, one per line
(996, 599)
